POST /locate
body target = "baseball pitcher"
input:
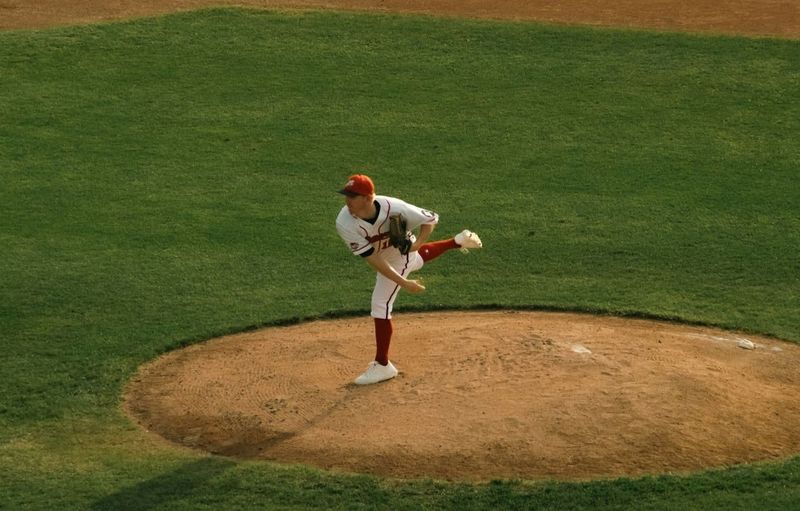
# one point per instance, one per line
(380, 230)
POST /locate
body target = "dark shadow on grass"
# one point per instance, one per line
(175, 485)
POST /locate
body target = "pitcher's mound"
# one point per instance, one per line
(482, 395)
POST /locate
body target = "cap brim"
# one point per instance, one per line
(349, 193)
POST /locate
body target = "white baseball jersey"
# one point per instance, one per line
(361, 235)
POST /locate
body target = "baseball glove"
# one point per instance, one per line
(398, 234)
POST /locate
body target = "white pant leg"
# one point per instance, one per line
(385, 291)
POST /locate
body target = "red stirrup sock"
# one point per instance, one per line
(430, 251)
(383, 337)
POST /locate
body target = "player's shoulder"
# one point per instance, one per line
(344, 219)
(391, 202)
(388, 198)
(343, 213)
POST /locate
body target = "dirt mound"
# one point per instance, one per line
(482, 395)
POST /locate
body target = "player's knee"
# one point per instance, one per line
(381, 314)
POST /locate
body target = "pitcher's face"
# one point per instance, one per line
(359, 205)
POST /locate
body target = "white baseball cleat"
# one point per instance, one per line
(468, 239)
(376, 372)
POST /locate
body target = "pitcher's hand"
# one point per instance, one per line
(413, 286)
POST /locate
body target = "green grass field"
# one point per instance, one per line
(170, 179)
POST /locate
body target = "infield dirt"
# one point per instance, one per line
(778, 18)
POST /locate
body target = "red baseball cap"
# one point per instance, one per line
(358, 184)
